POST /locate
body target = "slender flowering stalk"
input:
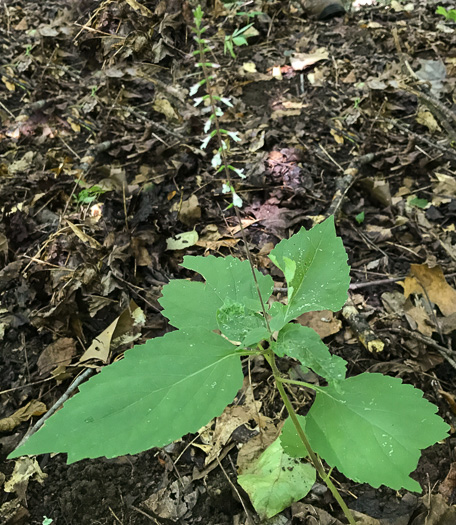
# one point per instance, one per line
(220, 159)
(212, 126)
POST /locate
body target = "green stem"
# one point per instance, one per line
(270, 357)
(268, 354)
(298, 383)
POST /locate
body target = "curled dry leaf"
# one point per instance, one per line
(33, 408)
(431, 282)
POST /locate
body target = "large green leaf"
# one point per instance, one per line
(304, 344)
(229, 287)
(160, 391)
(231, 279)
(275, 481)
(188, 304)
(315, 266)
(372, 428)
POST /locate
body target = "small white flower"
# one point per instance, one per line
(226, 188)
(239, 172)
(237, 201)
(194, 90)
(226, 101)
(216, 160)
(205, 142)
(207, 125)
(234, 135)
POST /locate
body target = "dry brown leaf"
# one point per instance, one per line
(84, 237)
(431, 282)
(163, 105)
(190, 211)
(437, 512)
(232, 418)
(138, 7)
(32, 408)
(300, 61)
(258, 444)
(323, 322)
(419, 319)
(58, 353)
(448, 486)
(447, 324)
(24, 469)
(115, 334)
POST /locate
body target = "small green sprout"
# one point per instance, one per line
(236, 39)
(449, 14)
(88, 195)
(360, 218)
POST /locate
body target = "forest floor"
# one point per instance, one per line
(100, 165)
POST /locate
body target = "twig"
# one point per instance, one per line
(145, 514)
(361, 327)
(233, 486)
(357, 286)
(346, 181)
(444, 149)
(378, 282)
(444, 352)
(87, 373)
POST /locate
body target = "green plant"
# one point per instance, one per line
(360, 217)
(236, 39)
(88, 195)
(370, 427)
(449, 14)
(418, 203)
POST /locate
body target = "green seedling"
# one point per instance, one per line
(236, 39)
(419, 203)
(370, 427)
(88, 195)
(449, 14)
(360, 218)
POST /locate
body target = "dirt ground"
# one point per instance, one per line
(100, 166)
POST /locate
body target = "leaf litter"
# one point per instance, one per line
(92, 98)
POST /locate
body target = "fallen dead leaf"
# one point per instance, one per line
(448, 486)
(190, 211)
(300, 61)
(437, 512)
(84, 237)
(121, 331)
(323, 322)
(32, 408)
(418, 319)
(25, 468)
(431, 282)
(58, 353)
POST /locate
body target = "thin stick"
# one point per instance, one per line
(56, 405)
(233, 486)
